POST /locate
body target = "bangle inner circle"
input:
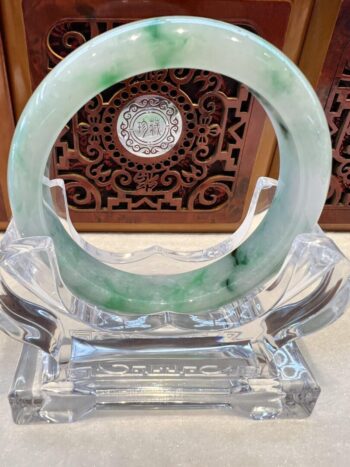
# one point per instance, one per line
(175, 42)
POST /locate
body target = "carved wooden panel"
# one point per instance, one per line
(334, 92)
(203, 179)
(199, 174)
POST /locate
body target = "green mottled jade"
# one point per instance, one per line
(176, 42)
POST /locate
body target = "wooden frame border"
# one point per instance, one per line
(6, 130)
(322, 23)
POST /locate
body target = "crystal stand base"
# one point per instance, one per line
(251, 380)
(78, 358)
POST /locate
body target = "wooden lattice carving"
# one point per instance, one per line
(201, 183)
(334, 92)
(338, 114)
(199, 173)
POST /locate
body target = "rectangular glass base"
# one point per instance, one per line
(252, 380)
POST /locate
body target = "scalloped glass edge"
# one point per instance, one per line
(261, 199)
(310, 290)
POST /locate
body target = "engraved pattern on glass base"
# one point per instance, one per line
(246, 378)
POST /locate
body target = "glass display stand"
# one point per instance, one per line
(159, 327)
(78, 358)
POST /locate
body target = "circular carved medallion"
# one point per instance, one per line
(149, 126)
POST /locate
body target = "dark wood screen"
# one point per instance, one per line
(202, 182)
(3, 215)
(6, 129)
(334, 92)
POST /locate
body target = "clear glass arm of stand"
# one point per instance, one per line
(310, 290)
(155, 258)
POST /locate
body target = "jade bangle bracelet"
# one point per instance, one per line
(176, 42)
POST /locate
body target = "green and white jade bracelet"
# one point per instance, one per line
(176, 42)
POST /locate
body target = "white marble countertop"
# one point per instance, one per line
(208, 438)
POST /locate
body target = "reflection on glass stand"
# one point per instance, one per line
(77, 358)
